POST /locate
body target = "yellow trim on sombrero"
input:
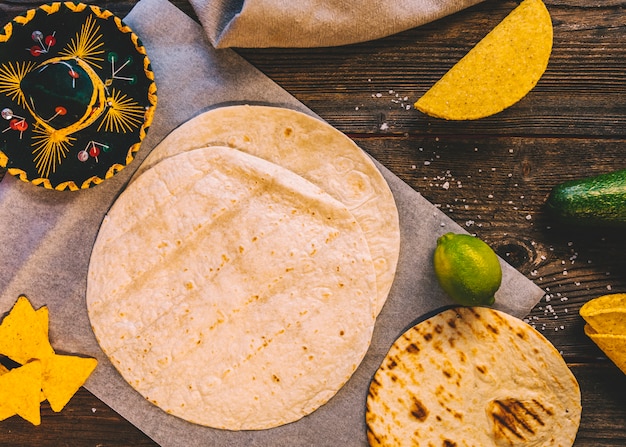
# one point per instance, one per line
(51, 8)
(23, 20)
(75, 7)
(18, 173)
(95, 180)
(3, 159)
(8, 32)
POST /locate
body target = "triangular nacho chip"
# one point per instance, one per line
(606, 314)
(22, 335)
(5, 410)
(63, 376)
(499, 71)
(42, 316)
(614, 346)
(20, 392)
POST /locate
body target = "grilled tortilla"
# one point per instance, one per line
(473, 377)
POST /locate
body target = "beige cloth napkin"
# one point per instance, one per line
(314, 23)
(46, 239)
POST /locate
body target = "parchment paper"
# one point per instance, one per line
(46, 239)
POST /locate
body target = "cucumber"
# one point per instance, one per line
(598, 200)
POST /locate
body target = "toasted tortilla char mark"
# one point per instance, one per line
(493, 329)
(513, 417)
(452, 323)
(392, 364)
(373, 439)
(412, 348)
(418, 409)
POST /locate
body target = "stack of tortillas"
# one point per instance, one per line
(473, 377)
(235, 283)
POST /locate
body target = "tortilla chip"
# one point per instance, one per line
(499, 71)
(22, 335)
(5, 410)
(63, 376)
(42, 316)
(20, 392)
(614, 346)
(606, 314)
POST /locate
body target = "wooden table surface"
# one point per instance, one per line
(491, 176)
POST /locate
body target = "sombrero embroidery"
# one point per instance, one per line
(77, 95)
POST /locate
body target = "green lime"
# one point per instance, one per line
(467, 269)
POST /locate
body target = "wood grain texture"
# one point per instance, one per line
(491, 176)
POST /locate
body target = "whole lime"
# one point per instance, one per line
(467, 269)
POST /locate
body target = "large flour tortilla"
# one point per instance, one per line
(473, 377)
(231, 292)
(314, 150)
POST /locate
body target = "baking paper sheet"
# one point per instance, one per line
(46, 239)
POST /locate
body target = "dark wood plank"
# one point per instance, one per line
(85, 421)
(603, 389)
